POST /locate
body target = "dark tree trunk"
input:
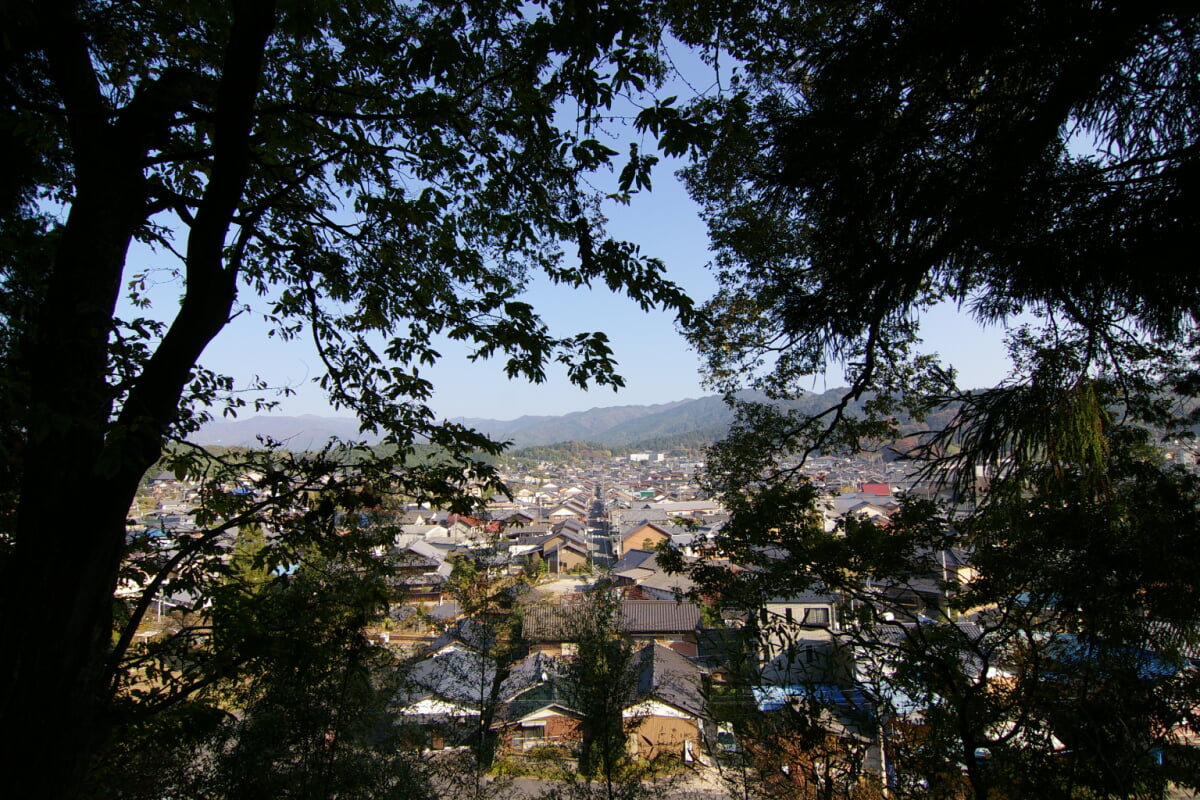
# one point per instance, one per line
(56, 611)
(57, 628)
(84, 456)
(56, 597)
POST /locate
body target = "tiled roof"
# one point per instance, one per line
(561, 623)
(454, 675)
(533, 670)
(668, 676)
(469, 632)
(658, 616)
(634, 558)
(629, 530)
(551, 623)
(668, 583)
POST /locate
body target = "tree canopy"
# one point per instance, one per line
(369, 175)
(1031, 163)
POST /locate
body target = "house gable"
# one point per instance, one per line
(644, 536)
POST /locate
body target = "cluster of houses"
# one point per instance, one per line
(452, 692)
(793, 655)
(682, 657)
(612, 521)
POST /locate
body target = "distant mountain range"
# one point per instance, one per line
(616, 426)
(658, 428)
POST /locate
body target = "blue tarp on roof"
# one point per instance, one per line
(1071, 650)
(844, 699)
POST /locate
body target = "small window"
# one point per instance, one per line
(787, 612)
(529, 735)
(816, 617)
(533, 730)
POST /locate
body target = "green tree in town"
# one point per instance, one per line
(536, 565)
(601, 683)
(597, 675)
(772, 742)
(307, 716)
(491, 622)
(313, 714)
(366, 175)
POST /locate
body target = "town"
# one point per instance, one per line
(933, 533)
(487, 613)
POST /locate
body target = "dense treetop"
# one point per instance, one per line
(1031, 162)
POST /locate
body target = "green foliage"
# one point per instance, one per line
(304, 714)
(1030, 164)
(599, 686)
(571, 453)
(1064, 652)
(313, 711)
(374, 177)
(247, 561)
(485, 593)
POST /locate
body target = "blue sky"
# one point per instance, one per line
(655, 359)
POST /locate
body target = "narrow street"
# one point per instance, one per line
(599, 533)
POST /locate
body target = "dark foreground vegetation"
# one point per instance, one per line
(372, 175)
